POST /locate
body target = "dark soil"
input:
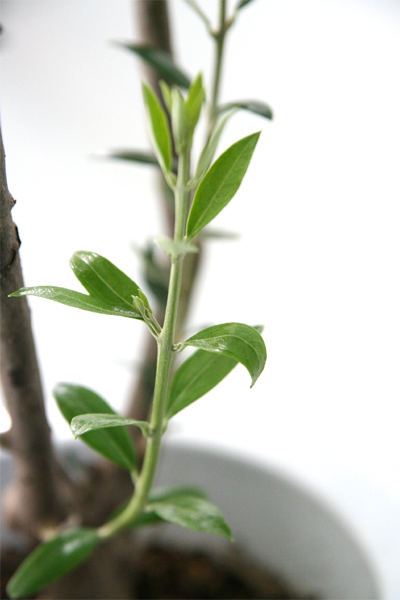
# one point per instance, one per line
(166, 574)
(162, 574)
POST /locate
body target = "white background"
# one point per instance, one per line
(318, 214)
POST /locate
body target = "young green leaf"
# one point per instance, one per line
(209, 149)
(193, 512)
(220, 184)
(194, 101)
(195, 377)
(237, 341)
(166, 94)
(51, 561)
(92, 421)
(254, 106)
(115, 444)
(110, 290)
(179, 120)
(161, 62)
(159, 130)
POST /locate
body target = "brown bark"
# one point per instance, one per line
(34, 500)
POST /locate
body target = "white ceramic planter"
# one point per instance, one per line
(273, 520)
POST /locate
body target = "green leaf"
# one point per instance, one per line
(195, 377)
(140, 156)
(74, 299)
(51, 561)
(93, 421)
(146, 158)
(235, 340)
(166, 493)
(179, 120)
(161, 62)
(194, 101)
(115, 444)
(159, 130)
(209, 149)
(103, 280)
(192, 512)
(242, 3)
(166, 94)
(148, 516)
(220, 184)
(110, 290)
(254, 106)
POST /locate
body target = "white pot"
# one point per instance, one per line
(274, 521)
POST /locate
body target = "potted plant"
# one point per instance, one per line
(200, 191)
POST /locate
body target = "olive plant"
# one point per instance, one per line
(200, 192)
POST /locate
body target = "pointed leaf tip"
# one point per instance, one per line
(234, 340)
(109, 290)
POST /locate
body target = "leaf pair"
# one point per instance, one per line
(184, 116)
(110, 290)
(184, 113)
(53, 559)
(221, 348)
(89, 412)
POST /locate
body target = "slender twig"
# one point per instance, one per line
(38, 502)
(154, 30)
(197, 8)
(219, 37)
(165, 355)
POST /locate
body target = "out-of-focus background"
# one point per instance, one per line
(318, 214)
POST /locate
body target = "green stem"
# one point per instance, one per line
(164, 362)
(165, 342)
(219, 37)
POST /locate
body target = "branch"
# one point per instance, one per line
(37, 501)
(154, 30)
